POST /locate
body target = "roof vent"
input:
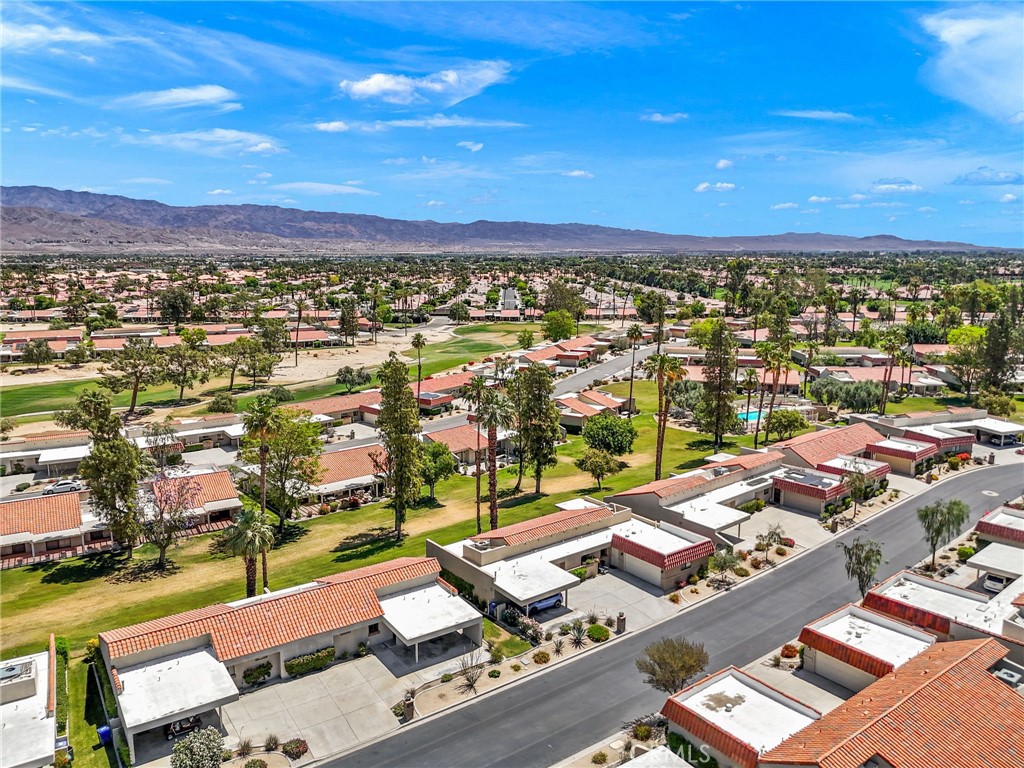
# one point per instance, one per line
(728, 707)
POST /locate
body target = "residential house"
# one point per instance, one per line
(28, 705)
(211, 496)
(48, 527)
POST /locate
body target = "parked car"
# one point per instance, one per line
(63, 486)
(182, 727)
(995, 583)
(555, 601)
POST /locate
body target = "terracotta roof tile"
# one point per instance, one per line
(548, 525)
(584, 409)
(207, 487)
(910, 717)
(342, 403)
(461, 438)
(815, 448)
(43, 514)
(600, 398)
(348, 464)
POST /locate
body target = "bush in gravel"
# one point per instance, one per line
(597, 633)
(558, 647)
(780, 551)
(964, 553)
(674, 598)
(541, 657)
(790, 651)
(740, 571)
(447, 677)
(255, 763)
(642, 732)
(494, 674)
(516, 667)
(599, 758)
(563, 629)
(609, 621)
(271, 742)
(496, 655)
(578, 637)
(295, 748)
(245, 747)
(592, 617)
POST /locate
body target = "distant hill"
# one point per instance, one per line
(43, 219)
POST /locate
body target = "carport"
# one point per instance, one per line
(526, 580)
(153, 694)
(999, 560)
(425, 613)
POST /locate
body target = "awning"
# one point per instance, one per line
(345, 485)
(216, 506)
(420, 614)
(62, 455)
(530, 578)
(159, 692)
(999, 559)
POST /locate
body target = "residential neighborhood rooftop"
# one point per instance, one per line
(876, 635)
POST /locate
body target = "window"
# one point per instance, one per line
(375, 629)
(52, 545)
(18, 549)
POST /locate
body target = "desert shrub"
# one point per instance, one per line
(597, 633)
(592, 617)
(259, 673)
(222, 403)
(548, 635)
(256, 763)
(245, 747)
(225, 755)
(447, 677)
(310, 662)
(790, 651)
(609, 621)
(398, 710)
(280, 394)
(271, 742)
(752, 506)
(739, 570)
(755, 563)
(760, 546)
(22, 487)
(692, 579)
(642, 731)
(511, 616)
(295, 748)
(563, 629)
(362, 650)
(599, 758)
(558, 647)
(743, 554)
(953, 462)
(494, 674)
(776, 661)
(61, 760)
(496, 655)
(541, 657)
(780, 551)
(516, 667)
(674, 598)
(964, 553)
(580, 573)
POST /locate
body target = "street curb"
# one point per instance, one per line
(433, 715)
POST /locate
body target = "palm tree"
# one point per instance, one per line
(419, 341)
(780, 362)
(476, 390)
(248, 537)
(812, 352)
(664, 370)
(496, 412)
(767, 353)
(892, 341)
(749, 384)
(300, 307)
(260, 421)
(635, 334)
(376, 296)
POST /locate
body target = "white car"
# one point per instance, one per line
(63, 486)
(995, 583)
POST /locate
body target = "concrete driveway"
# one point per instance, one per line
(616, 591)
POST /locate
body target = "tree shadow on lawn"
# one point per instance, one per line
(139, 571)
(707, 444)
(79, 569)
(518, 501)
(292, 532)
(426, 502)
(367, 544)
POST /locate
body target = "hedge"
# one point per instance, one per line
(597, 633)
(62, 693)
(310, 662)
(579, 573)
(259, 673)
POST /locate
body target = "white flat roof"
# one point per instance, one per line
(577, 503)
(706, 513)
(1006, 517)
(658, 539)
(25, 730)
(853, 464)
(902, 443)
(987, 424)
(425, 612)
(746, 709)
(874, 636)
(1001, 559)
(659, 757)
(940, 431)
(69, 453)
(157, 692)
(969, 608)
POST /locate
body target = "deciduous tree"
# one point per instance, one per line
(942, 521)
(398, 424)
(437, 464)
(670, 663)
(607, 432)
(862, 558)
(599, 464)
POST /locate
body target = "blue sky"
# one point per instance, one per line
(702, 118)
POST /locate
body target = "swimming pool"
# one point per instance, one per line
(748, 415)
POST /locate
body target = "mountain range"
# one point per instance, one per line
(46, 220)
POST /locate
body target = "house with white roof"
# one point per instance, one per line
(28, 709)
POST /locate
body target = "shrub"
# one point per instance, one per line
(580, 573)
(295, 748)
(496, 655)
(447, 677)
(516, 667)
(752, 506)
(271, 742)
(609, 621)
(674, 598)
(192, 448)
(755, 563)
(963, 457)
(953, 462)
(225, 755)
(22, 487)
(739, 570)
(743, 554)
(599, 758)
(776, 661)
(256, 763)
(398, 710)
(280, 394)
(541, 657)
(964, 553)
(62, 692)
(259, 673)
(222, 403)
(558, 647)
(511, 616)
(788, 542)
(563, 629)
(790, 651)
(245, 747)
(324, 509)
(760, 546)
(92, 650)
(642, 732)
(362, 650)
(494, 674)
(692, 579)
(592, 617)
(61, 760)
(61, 646)
(597, 633)
(310, 662)
(780, 551)
(548, 635)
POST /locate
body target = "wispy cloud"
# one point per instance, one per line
(826, 115)
(23, 36)
(659, 117)
(897, 185)
(447, 88)
(320, 188)
(434, 203)
(147, 180)
(578, 174)
(217, 141)
(721, 186)
(926, 209)
(783, 206)
(980, 61)
(11, 83)
(472, 146)
(438, 121)
(986, 175)
(723, 164)
(332, 126)
(179, 98)
(220, 192)
(819, 199)
(1008, 198)
(430, 169)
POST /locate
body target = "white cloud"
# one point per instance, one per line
(333, 126)
(721, 186)
(21, 36)
(9, 83)
(1008, 198)
(816, 114)
(319, 188)
(783, 206)
(264, 175)
(448, 87)
(472, 146)
(29, 128)
(669, 118)
(147, 180)
(811, 211)
(220, 192)
(847, 206)
(990, 176)
(886, 205)
(178, 98)
(965, 202)
(981, 58)
(435, 203)
(577, 174)
(858, 196)
(215, 141)
(818, 199)
(927, 209)
(895, 185)
(723, 164)
(438, 121)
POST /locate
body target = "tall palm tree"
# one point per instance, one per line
(767, 353)
(780, 363)
(260, 422)
(664, 370)
(300, 306)
(749, 385)
(496, 412)
(635, 334)
(812, 352)
(376, 297)
(248, 537)
(892, 341)
(476, 390)
(419, 341)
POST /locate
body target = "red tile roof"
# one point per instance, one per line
(41, 515)
(342, 403)
(670, 486)
(449, 383)
(583, 409)
(348, 464)
(206, 488)
(461, 438)
(562, 521)
(339, 601)
(817, 447)
(911, 717)
(600, 398)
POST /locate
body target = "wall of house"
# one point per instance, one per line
(801, 502)
(483, 583)
(898, 465)
(837, 671)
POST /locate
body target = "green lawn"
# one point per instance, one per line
(29, 398)
(86, 716)
(454, 353)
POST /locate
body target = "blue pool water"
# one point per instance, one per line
(748, 415)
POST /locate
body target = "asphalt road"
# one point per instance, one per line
(551, 716)
(610, 367)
